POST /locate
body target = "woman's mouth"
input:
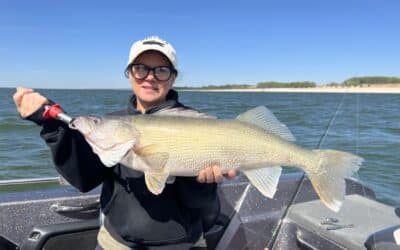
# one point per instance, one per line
(149, 88)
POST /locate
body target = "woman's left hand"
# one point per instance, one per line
(213, 174)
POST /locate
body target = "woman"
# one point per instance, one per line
(134, 217)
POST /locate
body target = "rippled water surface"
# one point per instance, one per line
(365, 124)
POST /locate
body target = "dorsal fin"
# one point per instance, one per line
(265, 119)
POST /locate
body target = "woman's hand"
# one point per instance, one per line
(213, 174)
(28, 101)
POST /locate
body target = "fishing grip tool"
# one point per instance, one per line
(55, 112)
(333, 224)
(329, 221)
(338, 226)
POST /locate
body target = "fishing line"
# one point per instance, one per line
(302, 178)
(356, 151)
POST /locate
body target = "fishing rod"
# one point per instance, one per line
(303, 178)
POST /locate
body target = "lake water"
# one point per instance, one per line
(364, 124)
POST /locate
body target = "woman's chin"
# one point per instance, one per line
(148, 93)
(150, 98)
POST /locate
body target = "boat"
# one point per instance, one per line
(56, 216)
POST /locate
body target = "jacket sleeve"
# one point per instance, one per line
(200, 196)
(194, 194)
(72, 156)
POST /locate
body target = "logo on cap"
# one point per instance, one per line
(153, 43)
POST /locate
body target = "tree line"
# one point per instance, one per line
(305, 84)
(357, 81)
(354, 81)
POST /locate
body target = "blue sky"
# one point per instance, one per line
(85, 44)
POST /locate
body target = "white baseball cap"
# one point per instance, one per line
(153, 43)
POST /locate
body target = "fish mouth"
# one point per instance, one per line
(82, 124)
(72, 124)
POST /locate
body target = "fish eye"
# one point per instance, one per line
(72, 124)
(96, 120)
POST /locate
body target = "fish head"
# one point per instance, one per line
(85, 124)
(107, 130)
(110, 135)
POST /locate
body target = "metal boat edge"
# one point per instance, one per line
(60, 216)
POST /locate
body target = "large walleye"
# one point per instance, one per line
(255, 143)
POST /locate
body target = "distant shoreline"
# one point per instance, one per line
(361, 90)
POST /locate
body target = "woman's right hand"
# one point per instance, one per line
(28, 101)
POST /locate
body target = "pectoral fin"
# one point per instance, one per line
(264, 179)
(156, 173)
(155, 182)
(154, 159)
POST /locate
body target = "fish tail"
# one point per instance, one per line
(328, 176)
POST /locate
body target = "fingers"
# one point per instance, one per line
(201, 177)
(206, 175)
(27, 101)
(211, 174)
(217, 174)
(230, 174)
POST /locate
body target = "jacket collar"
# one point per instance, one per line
(172, 101)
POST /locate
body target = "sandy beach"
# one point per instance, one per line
(361, 90)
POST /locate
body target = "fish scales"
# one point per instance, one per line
(255, 143)
(196, 143)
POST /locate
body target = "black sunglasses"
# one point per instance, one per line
(141, 71)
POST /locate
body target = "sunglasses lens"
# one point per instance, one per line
(141, 71)
(162, 73)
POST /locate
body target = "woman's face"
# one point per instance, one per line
(150, 91)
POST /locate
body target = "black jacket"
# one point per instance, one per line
(133, 215)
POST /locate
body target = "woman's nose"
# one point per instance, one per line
(150, 76)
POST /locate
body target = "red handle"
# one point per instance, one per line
(52, 111)
(55, 112)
